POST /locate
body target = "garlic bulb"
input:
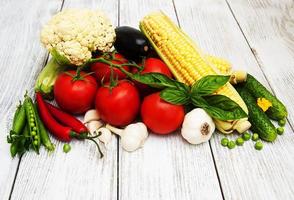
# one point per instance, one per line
(132, 137)
(197, 127)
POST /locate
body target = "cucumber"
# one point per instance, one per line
(278, 110)
(260, 123)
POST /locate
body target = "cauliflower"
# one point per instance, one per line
(75, 33)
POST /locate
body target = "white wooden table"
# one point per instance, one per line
(255, 35)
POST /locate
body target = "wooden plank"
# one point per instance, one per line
(244, 173)
(19, 52)
(166, 167)
(80, 174)
(270, 33)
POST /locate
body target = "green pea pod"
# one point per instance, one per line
(32, 123)
(19, 120)
(13, 149)
(45, 139)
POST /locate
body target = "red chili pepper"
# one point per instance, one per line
(67, 119)
(58, 130)
(61, 132)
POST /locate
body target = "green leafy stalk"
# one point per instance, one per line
(47, 78)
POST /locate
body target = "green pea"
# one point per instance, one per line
(34, 133)
(35, 142)
(32, 120)
(255, 137)
(240, 141)
(282, 122)
(258, 145)
(36, 137)
(246, 136)
(32, 124)
(231, 145)
(66, 148)
(224, 142)
(280, 130)
(34, 128)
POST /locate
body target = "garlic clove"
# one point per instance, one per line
(91, 115)
(93, 126)
(105, 136)
(143, 128)
(130, 143)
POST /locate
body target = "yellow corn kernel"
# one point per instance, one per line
(221, 64)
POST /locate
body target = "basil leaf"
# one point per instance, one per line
(219, 107)
(222, 102)
(224, 115)
(223, 108)
(182, 86)
(177, 97)
(209, 84)
(155, 80)
(199, 101)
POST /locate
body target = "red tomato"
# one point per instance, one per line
(155, 65)
(75, 96)
(160, 116)
(120, 105)
(151, 65)
(103, 70)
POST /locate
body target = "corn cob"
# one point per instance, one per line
(187, 62)
(221, 64)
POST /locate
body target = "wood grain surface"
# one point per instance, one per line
(254, 35)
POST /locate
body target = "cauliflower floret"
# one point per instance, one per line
(75, 33)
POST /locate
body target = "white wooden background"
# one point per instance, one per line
(255, 35)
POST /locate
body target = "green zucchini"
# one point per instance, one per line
(260, 123)
(278, 110)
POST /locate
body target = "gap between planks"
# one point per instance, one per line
(211, 151)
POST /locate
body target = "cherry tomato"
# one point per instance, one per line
(119, 105)
(104, 70)
(75, 96)
(160, 116)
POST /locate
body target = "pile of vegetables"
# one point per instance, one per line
(127, 82)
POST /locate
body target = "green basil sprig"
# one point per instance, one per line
(200, 94)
